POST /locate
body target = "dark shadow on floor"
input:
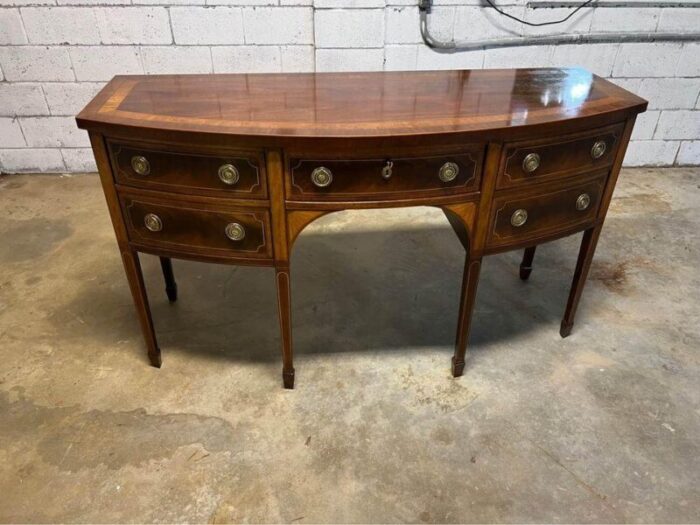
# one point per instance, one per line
(352, 291)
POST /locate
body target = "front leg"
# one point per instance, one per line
(470, 281)
(585, 256)
(134, 275)
(284, 300)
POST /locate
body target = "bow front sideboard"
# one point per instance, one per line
(231, 168)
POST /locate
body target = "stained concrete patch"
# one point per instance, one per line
(30, 239)
(72, 440)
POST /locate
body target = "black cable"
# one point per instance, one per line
(538, 23)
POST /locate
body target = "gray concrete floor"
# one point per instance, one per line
(601, 427)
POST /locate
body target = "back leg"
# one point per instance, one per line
(526, 265)
(170, 284)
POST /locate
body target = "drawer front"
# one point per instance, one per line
(516, 219)
(238, 175)
(196, 228)
(319, 179)
(544, 160)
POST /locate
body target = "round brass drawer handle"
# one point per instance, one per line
(228, 174)
(140, 165)
(598, 149)
(583, 202)
(322, 177)
(235, 231)
(448, 172)
(152, 222)
(531, 162)
(518, 218)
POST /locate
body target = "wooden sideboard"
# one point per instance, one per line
(231, 168)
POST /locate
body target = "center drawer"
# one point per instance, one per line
(197, 228)
(318, 178)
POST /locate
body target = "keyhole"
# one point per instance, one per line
(387, 170)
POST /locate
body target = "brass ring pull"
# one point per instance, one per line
(228, 174)
(598, 149)
(531, 162)
(518, 218)
(583, 202)
(322, 177)
(235, 231)
(448, 172)
(387, 171)
(152, 222)
(140, 165)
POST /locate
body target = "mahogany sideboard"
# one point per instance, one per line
(231, 168)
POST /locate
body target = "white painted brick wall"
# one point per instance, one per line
(57, 54)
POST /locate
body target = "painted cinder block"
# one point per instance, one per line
(247, 59)
(349, 28)
(68, 98)
(646, 60)
(349, 59)
(53, 132)
(278, 25)
(61, 25)
(94, 63)
(176, 59)
(207, 25)
(31, 160)
(79, 160)
(11, 30)
(27, 63)
(22, 99)
(297, 59)
(689, 153)
(670, 93)
(134, 25)
(651, 153)
(680, 124)
(11, 133)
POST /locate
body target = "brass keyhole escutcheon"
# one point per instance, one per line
(583, 202)
(152, 222)
(531, 162)
(448, 172)
(140, 165)
(228, 174)
(518, 218)
(235, 231)
(387, 170)
(322, 177)
(598, 149)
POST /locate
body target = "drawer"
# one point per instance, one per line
(239, 175)
(544, 160)
(328, 179)
(517, 219)
(197, 228)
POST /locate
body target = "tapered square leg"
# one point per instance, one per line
(132, 267)
(526, 264)
(470, 281)
(583, 264)
(170, 284)
(284, 300)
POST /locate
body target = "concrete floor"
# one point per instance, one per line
(601, 427)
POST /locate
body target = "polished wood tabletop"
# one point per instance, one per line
(376, 104)
(231, 168)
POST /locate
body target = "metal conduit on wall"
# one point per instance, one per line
(557, 38)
